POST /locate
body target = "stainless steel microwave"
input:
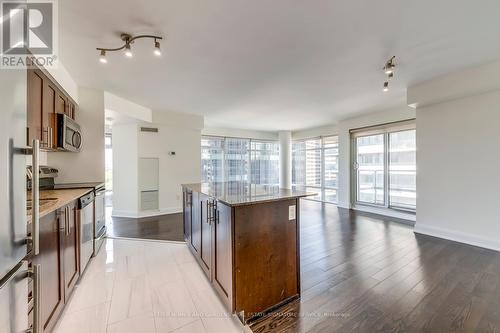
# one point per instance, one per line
(69, 135)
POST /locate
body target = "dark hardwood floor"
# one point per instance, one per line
(164, 227)
(361, 273)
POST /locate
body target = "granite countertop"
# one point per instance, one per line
(242, 193)
(51, 200)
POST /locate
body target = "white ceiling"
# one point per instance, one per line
(274, 64)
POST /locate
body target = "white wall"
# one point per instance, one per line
(179, 133)
(342, 130)
(458, 160)
(61, 75)
(181, 168)
(125, 170)
(126, 108)
(88, 164)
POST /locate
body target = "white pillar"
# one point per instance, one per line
(285, 159)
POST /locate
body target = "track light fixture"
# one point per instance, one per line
(128, 40)
(389, 71)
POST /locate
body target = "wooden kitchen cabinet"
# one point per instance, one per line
(222, 253)
(45, 99)
(247, 244)
(59, 262)
(70, 245)
(52, 270)
(35, 109)
(195, 241)
(207, 216)
(187, 214)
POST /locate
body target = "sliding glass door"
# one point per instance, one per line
(370, 169)
(384, 166)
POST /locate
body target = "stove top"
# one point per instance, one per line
(95, 185)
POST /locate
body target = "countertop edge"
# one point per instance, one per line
(192, 187)
(62, 202)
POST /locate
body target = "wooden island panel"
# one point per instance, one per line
(266, 257)
(246, 240)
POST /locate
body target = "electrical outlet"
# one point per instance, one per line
(291, 212)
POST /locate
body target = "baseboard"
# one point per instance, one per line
(387, 212)
(133, 214)
(457, 236)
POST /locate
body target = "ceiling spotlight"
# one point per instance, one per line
(128, 51)
(102, 57)
(128, 40)
(386, 86)
(157, 50)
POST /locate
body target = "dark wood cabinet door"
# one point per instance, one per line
(196, 223)
(70, 249)
(50, 260)
(49, 110)
(61, 104)
(223, 260)
(206, 233)
(35, 96)
(188, 199)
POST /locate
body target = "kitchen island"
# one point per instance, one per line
(245, 237)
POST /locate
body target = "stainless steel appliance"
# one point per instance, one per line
(99, 209)
(100, 219)
(14, 234)
(85, 211)
(69, 136)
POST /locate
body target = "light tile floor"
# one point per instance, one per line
(146, 287)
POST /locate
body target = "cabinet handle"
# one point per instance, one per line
(35, 197)
(36, 274)
(68, 216)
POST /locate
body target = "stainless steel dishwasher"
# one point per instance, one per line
(86, 220)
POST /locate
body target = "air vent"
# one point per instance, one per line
(149, 129)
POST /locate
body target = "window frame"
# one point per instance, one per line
(385, 130)
(322, 187)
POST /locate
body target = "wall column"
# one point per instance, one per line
(285, 159)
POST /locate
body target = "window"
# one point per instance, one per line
(384, 168)
(315, 167)
(212, 159)
(239, 160)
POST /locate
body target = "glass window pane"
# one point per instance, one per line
(264, 163)
(331, 196)
(370, 169)
(313, 167)
(212, 158)
(402, 169)
(237, 160)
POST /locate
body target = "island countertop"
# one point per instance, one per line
(242, 193)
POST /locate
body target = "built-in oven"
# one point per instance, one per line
(100, 219)
(69, 136)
